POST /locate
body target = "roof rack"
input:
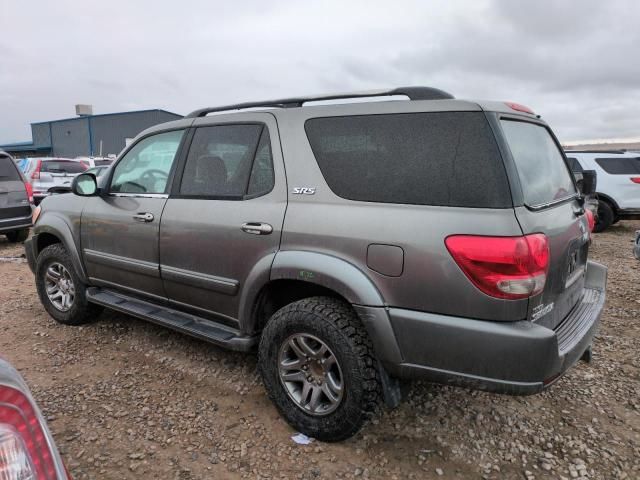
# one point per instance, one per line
(568, 150)
(414, 93)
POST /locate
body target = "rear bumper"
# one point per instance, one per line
(16, 223)
(507, 357)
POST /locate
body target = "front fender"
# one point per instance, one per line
(53, 224)
(331, 272)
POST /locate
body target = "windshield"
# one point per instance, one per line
(544, 175)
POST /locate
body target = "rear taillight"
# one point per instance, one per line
(591, 219)
(29, 190)
(36, 173)
(24, 450)
(635, 179)
(503, 267)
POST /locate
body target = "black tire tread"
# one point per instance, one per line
(346, 321)
(17, 236)
(82, 311)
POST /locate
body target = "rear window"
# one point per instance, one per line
(99, 163)
(544, 175)
(62, 166)
(8, 170)
(437, 158)
(620, 165)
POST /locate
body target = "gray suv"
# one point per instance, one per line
(353, 244)
(16, 198)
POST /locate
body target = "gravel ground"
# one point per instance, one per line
(126, 399)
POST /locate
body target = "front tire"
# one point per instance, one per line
(319, 369)
(61, 291)
(17, 236)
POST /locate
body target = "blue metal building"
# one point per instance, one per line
(88, 135)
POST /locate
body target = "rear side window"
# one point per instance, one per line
(543, 174)
(620, 165)
(574, 165)
(220, 163)
(62, 166)
(8, 169)
(437, 158)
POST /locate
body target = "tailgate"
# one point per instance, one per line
(567, 232)
(550, 206)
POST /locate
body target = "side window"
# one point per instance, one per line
(146, 167)
(220, 163)
(574, 165)
(620, 165)
(262, 175)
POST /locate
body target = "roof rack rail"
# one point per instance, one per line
(414, 93)
(568, 150)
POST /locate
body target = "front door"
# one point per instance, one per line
(224, 216)
(120, 228)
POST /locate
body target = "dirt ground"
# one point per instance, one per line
(127, 399)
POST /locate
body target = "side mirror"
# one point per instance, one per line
(85, 185)
(589, 181)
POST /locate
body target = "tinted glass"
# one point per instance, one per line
(8, 169)
(440, 158)
(262, 175)
(220, 160)
(544, 175)
(99, 163)
(620, 165)
(146, 167)
(574, 165)
(62, 167)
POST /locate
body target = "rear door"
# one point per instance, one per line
(119, 230)
(550, 205)
(224, 217)
(623, 179)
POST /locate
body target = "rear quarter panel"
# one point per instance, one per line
(430, 279)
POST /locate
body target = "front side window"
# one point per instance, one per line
(574, 164)
(220, 163)
(146, 167)
(543, 173)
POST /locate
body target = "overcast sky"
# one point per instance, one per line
(575, 62)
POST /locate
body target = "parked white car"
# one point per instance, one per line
(618, 185)
(47, 173)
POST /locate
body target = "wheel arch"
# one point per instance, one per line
(56, 230)
(292, 275)
(610, 201)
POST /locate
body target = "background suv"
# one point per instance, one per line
(618, 183)
(15, 201)
(47, 173)
(353, 244)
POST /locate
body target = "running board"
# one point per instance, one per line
(204, 329)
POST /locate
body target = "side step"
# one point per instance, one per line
(204, 329)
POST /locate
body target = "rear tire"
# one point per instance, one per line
(61, 291)
(606, 216)
(348, 390)
(18, 236)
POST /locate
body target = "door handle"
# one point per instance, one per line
(257, 228)
(143, 217)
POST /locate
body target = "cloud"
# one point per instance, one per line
(573, 62)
